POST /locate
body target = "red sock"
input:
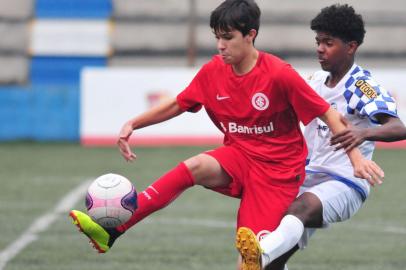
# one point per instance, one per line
(161, 193)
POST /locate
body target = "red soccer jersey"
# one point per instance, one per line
(258, 112)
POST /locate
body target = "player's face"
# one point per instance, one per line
(233, 46)
(332, 52)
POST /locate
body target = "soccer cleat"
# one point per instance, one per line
(247, 244)
(101, 238)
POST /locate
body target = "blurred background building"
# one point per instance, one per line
(45, 44)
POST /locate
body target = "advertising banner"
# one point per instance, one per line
(111, 96)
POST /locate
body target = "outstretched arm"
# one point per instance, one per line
(363, 168)
(392, 129)
(158, 114)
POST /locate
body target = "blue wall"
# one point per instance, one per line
(86, 9)
(61, 70)
(42, 113)
(48, 108)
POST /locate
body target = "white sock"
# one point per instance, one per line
(280, 241)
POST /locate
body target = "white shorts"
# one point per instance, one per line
(340, 202)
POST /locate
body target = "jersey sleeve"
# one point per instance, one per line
(191, 99)
(367, 97)
(305, 101)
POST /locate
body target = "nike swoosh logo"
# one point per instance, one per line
(218, 97)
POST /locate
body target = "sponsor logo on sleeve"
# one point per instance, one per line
(366, 88)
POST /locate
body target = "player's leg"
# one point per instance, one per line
(306, 210)
(263, 205)
(214, 169)
(254, 257)
(280, 263)
(284, 237)
(326, 203)
(202, 169)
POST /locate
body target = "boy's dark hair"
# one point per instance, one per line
(340, 21)
(241, 15)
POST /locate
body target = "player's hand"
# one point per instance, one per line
(369, 170)
(123, 144)
(349, 138)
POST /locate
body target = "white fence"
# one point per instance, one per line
(111, 96)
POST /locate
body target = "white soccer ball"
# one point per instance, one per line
(111, 200)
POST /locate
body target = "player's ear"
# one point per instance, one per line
(352, 47)
(251, 35)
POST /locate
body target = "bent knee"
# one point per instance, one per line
(207, 171)
(197, 164)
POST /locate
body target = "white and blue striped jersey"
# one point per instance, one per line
(359, 98)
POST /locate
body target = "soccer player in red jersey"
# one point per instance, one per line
(257, 101)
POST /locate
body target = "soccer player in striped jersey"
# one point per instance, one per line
(331, 193)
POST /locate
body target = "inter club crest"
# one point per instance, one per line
(260, 101)
(262, 234)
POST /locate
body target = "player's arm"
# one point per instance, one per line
(164, 111)
(391, 129)
(363, 168)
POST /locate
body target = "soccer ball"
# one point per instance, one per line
(111, 200)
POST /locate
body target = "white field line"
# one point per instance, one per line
(192, 222)
(41, 224)
(228, 224)
(379, 229)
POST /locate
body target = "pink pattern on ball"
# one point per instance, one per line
(115, 202)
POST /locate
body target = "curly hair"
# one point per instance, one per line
(340, 21)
